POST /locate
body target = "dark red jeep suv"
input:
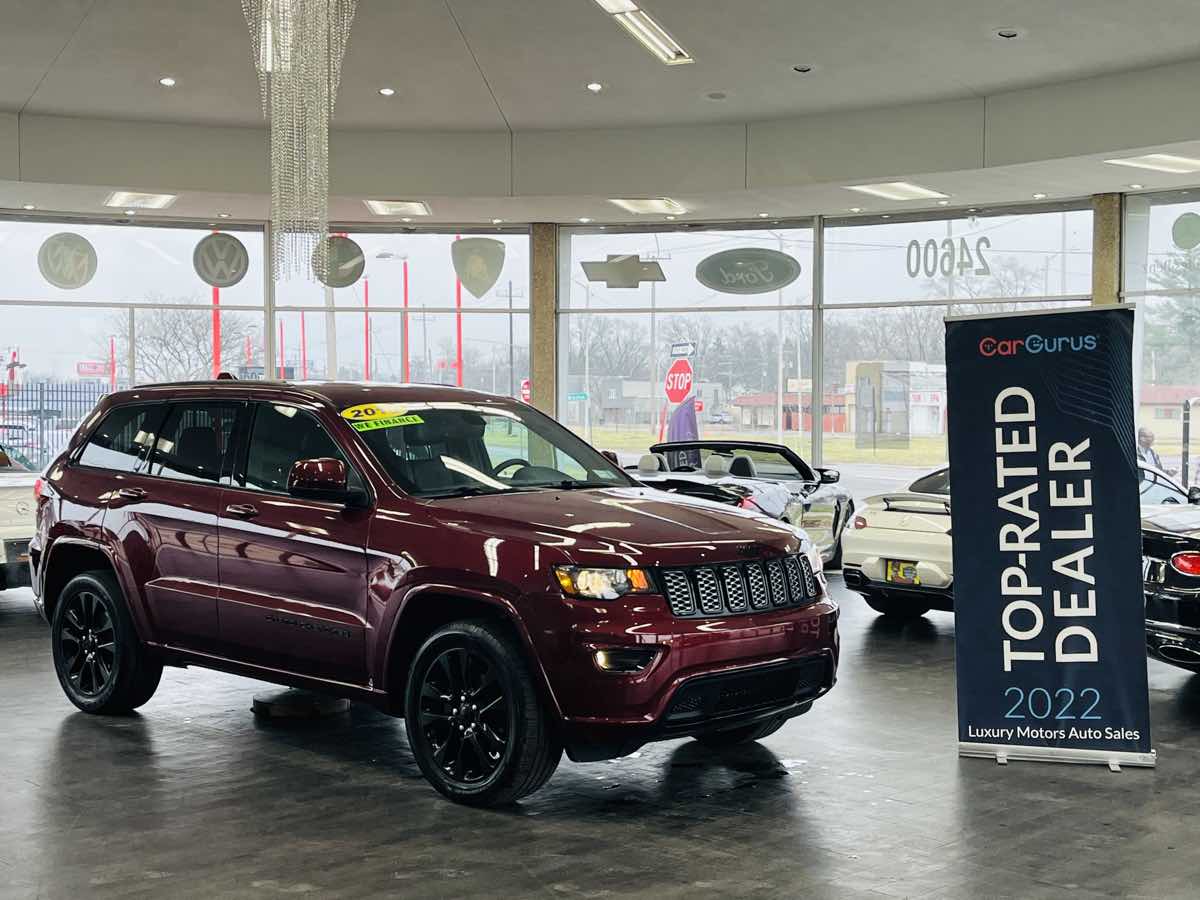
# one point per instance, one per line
(454, 557)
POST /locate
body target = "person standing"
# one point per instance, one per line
(1146, 452)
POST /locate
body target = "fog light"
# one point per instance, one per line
(624, 659)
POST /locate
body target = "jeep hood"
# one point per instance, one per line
(633, 525)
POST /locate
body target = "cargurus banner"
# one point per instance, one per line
(1050, 616)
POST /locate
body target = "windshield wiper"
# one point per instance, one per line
(572, 485)
(464, 491)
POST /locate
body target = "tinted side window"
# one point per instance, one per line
(123, 438)
(936, 483)
(281, 436)
(193, 441)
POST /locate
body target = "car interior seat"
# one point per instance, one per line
(716, 466)
(743, 467)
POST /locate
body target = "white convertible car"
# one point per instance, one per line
(17, 479)
(897, 550)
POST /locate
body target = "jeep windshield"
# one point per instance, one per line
(452, 449)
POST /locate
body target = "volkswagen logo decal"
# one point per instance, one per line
(221, 260)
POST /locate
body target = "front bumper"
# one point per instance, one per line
(707, 673)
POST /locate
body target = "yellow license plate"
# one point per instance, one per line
(898, 571)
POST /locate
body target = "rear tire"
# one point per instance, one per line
(733, 737)
(487, 753)
(100, 661)
(895, 608)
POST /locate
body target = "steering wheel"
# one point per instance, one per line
(515, 461)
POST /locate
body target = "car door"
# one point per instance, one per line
(293, 571)
(164, 514)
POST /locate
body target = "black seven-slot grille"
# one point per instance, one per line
(741, 587)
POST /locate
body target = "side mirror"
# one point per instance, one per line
(1194, 494)
(829, 476)
(611, 456)
(322, 479)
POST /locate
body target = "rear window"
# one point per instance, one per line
(121, 441)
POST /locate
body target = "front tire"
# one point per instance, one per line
(895, 608)
(101, 663)
(733, 737)
(474, 719)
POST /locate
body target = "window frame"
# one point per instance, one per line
(226, 455)
(236, 479)
(76, 458)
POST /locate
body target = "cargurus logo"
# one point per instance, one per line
(1036, 343)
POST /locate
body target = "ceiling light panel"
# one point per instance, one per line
(644, 206)
(646, 31)
(1160, 162)
(136, 200)
(612, 7)
(398, 207)
(897, 190)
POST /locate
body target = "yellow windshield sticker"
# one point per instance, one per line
(367, 412)
(389, 422)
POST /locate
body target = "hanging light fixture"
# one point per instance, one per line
(298, 47)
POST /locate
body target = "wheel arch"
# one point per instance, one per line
(426, 608)
(68, 557)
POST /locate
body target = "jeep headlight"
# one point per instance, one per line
(601, 584)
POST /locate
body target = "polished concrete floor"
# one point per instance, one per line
(864, 797)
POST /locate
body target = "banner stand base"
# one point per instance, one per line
(1002, 753)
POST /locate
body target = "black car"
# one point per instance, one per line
(1171, 572)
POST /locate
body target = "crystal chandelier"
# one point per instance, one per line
(298, 48)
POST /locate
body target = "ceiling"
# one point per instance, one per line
(484, 65)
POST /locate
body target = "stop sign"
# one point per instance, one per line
(678, 383)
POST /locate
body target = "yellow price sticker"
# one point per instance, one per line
(389, 422)
(370, 412)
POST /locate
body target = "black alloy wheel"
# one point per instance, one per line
(100, 661)
(465, 716)
(87, 641)
(476, 722)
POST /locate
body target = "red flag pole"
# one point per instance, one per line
(458, 359)
(281, 355)
(303, 349)
(112, 362)
(404, 349)
(216, 332)
(366, 329)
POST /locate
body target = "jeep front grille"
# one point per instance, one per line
(738, 588)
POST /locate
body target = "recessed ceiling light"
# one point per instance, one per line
(646, 31)
(943, 203)
(670, 218)
(398, 207)
(802, 69)
(1040, 196)
(139, 200)
(131, 212)
(497, 221)
(222, 215)
(584, 219)
(1136, 187)
(167, 81)
(716, 96)
(28, 206)
(886, 216)
(1160, 162)
(856, 209)
(387, 92)
(406, 219)
(1009, 34)
(643, 206)
(897, 190)
(973, 209)
(594, 86)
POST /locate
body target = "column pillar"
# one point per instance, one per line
(543, 310)
(1106, 249)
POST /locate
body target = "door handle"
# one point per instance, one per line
(131, 493)
(242, 510)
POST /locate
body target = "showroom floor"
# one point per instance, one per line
(864, 797)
